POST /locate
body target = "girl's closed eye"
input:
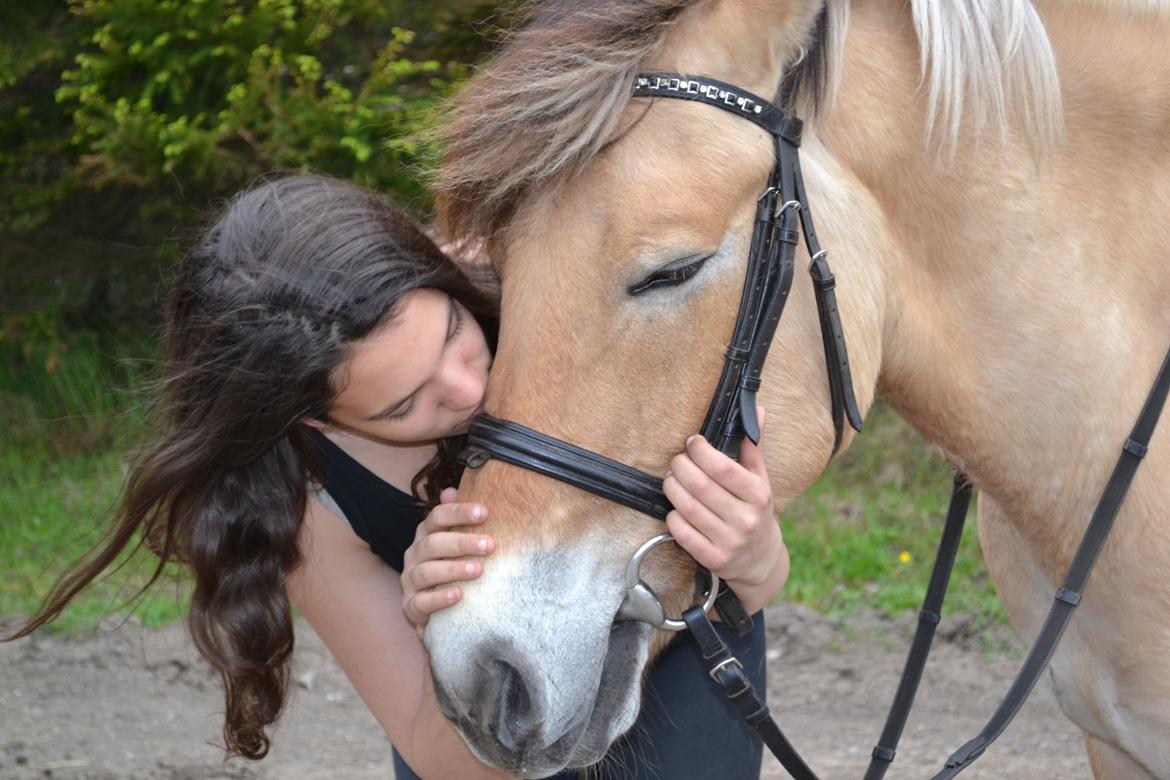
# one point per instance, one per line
(402, 413)
(457, 319)
(458, 326)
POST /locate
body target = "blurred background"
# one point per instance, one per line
(124, 122)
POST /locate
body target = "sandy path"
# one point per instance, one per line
(130, 703)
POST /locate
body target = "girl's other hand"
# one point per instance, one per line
(725, 518)
(439, 558)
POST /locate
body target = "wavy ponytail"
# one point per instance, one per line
(260, 317)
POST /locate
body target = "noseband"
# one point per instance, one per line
(732, 412)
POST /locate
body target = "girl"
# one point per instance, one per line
(322, 360)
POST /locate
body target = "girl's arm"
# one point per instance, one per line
(353, 601)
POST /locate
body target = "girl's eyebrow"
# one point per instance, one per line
(392, 408)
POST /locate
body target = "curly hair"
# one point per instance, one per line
(261, 314)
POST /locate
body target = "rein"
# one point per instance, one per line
(731, 416)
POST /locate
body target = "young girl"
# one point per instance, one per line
(323, 359)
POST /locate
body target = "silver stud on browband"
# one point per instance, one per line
(694, 87)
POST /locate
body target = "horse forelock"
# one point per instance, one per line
(544, 107)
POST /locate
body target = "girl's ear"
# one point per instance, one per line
(313, 422)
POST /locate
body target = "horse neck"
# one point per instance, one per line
(1024, 303)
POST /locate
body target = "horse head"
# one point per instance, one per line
(605, 197)
(620, 227)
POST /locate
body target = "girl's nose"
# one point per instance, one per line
(463, 385)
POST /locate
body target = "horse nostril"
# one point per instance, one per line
(516, 719)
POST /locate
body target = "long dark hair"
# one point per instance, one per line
(262, 313)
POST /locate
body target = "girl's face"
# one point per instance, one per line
(418, 379)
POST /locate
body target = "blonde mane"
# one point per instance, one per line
(552, 98)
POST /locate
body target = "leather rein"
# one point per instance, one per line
(732, 416)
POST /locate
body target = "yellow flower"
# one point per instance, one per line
(904, 556)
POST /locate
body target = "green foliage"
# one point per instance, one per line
(71, 401)
(35, 159)
(175, 102)
(215, 91)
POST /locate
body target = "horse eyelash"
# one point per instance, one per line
(670, 277)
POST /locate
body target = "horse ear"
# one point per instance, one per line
(746, 42)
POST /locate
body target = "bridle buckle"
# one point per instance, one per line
(713, 673)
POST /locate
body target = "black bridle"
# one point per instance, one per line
(732, 412)
(732, 415)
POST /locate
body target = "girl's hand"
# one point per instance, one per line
(438, 558)
(725, 518)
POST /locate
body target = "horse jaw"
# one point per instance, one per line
(531, 668)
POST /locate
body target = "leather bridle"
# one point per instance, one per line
(732, 412)
(732, 415)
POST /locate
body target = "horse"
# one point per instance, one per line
(992, 180)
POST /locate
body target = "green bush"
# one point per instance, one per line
(216, 91)
(169, 103)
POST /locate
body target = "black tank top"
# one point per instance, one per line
(383, 516)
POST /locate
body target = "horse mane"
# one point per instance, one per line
(545, 106)
(552, 97)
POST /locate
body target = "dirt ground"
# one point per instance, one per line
(133, 703)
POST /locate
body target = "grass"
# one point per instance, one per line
(865, 533)
(69, 399)
(863, 536)
(53, 512)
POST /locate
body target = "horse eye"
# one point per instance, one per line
(668, 277)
